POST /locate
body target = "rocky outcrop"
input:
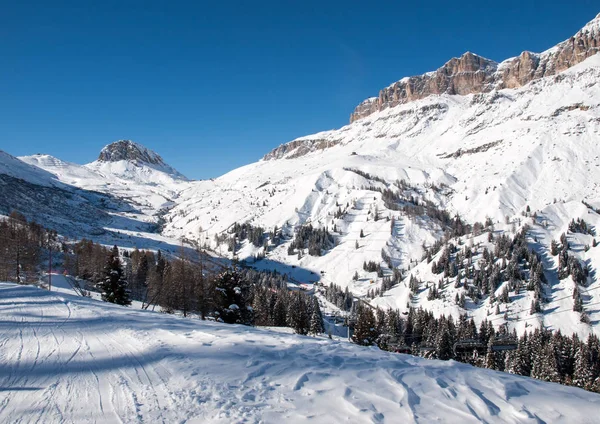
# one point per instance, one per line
(470, 73)
(299, 148)
(464, 75)
(129, 151)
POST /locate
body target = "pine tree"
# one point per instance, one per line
(443, 342)
(260, 305)
(582, 374)
(365, 332)
(232, 297)
(114, 286)
(280, 309)
(298, 316)
(316, 319)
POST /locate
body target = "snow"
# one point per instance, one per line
(497, 153)
(72, 359)
(12, 166)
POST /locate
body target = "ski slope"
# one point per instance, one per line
(71, 359)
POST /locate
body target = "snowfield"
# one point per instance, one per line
(72, 359)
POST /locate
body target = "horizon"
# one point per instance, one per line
(214, 87)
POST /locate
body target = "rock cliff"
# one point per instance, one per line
(129, 151)
(470, 73)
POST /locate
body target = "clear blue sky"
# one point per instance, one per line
(215, 85)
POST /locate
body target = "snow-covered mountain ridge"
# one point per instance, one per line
(471, 74)
(119, 198)
(124, 169)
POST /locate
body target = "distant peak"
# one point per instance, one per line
(137, 155)
(129, 151)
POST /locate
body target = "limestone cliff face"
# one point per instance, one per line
(470, 73)
(464, 75)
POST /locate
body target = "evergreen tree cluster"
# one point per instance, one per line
(278, 307)
(540, 354)
(570, 265)
(511, 262)
(343, 299)
(316, 240)
(580, 226)
(256, 235)
(386, 284)
(372, 266)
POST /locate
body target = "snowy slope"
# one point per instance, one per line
(72, 359)
(486, 155)
(142, 188)
(14, 167)
(146, 186)
(536, 144)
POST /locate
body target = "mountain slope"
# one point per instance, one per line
(130, 160)
(490, 155)
(16, 168)
(124, 169)
(68, 358)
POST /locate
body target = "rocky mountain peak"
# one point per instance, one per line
(470, 73)
(129, 151)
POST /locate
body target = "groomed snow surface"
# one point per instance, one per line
(71, 359)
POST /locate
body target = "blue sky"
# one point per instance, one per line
(215, 85)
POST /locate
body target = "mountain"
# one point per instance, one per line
(388, 186)
(43, 197)
(80, 360)
(126, 190)
(464, 159)
(471, 74)
(127, 152)
(125, 169)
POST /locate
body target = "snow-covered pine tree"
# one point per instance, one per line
(365, 332)
(232, 293)
(582, 373)
(316, 318)
(280, 309)
(298, 316)
(114, 285)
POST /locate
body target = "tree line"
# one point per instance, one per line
(23, 247)
(541, 354)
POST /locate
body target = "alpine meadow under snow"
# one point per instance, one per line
(478, 201)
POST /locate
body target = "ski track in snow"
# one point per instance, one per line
(72, 359)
